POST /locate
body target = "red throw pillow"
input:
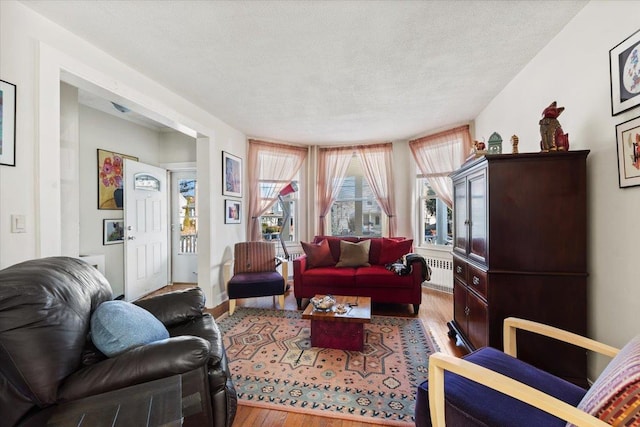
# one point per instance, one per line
(318, 255)
(393, 250)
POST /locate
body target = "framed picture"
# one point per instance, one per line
(628, 139)
(232, 211)
(231, 175)
(624, 61)
(110, 165)
(7, 123)
(112, 231)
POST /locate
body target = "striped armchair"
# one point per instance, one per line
(255, 274)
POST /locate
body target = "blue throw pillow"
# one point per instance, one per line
(117, 326)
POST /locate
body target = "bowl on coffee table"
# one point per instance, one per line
(323, 303)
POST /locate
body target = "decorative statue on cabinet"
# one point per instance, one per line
(514, 144)
(495, 143)
(479, 147)
(553, 137)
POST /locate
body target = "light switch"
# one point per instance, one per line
(18, 224)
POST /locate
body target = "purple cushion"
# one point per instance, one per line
(248, 285)
(471, 404)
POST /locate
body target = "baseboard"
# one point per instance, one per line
(219, 310)
(438, 287)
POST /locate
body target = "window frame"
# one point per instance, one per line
(294, 200)
(381, 220)
(421, 180)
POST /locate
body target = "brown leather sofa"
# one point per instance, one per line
(47, 358)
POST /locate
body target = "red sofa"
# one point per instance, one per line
(374, 281)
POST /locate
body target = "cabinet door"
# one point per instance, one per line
(477, 321)
(460, 305)
(460, 220)
(477, 200)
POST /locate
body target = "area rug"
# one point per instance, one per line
(274, 366)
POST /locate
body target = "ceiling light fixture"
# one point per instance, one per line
(120, 108)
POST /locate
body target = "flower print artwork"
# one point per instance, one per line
(111, 173)
(110, 176)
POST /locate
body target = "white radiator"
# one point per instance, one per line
(441, 274)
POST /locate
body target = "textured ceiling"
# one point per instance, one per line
(324, 72)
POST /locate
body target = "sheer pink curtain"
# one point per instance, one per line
(377, 163)
(332, 167)
(440, 154)
(268, 161)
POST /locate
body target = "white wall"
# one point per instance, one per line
(176, 147)
(574, 70)
(17, 184)
(36, 54)
(69, 169)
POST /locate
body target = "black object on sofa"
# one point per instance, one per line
(47, 358)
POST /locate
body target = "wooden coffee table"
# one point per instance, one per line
(340, 331)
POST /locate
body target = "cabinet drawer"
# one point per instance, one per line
(477, 280)
(460, 270)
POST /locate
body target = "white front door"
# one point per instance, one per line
(146, 254)
(184, 227)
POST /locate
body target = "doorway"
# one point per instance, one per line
(125, 87)
(184, 227)
(102, 126)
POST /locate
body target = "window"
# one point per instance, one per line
(187, 193)
(434, 215)
(271, 221)
(356, 212)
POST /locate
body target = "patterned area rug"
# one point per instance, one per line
(274, 366)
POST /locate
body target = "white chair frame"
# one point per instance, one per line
(440, 362)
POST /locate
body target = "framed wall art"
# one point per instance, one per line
(624, 61)
(231, 175)
(7, 123)
(110, 164)
(112, 231)
(628, 140)
(232, 211)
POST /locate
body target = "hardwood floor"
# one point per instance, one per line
(435, 311)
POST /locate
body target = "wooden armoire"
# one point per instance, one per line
(520, 249)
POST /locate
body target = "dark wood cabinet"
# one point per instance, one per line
(520, 249)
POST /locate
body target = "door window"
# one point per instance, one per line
(187, 203)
